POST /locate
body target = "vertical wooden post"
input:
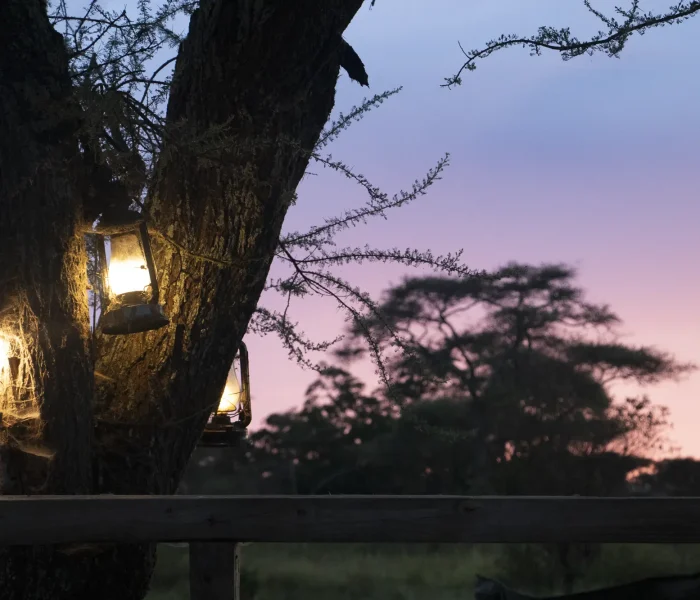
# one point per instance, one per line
(215, 571)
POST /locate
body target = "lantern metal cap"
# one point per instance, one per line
(133, 319)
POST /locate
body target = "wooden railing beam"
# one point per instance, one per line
(71, 519)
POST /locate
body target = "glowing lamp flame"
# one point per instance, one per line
(130, 275)
(127, 271)
(231, 395)
(5, 351)
(5, 354)
(226, 427)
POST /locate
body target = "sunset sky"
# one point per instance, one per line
(589, 162)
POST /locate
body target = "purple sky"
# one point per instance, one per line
(587, 162)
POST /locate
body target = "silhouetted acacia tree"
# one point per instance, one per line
(533, 363)
(504, 386)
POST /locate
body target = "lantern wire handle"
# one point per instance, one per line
(148, 255)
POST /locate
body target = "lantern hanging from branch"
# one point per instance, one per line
(129, 289)
(228, 423)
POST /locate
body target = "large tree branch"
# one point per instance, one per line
(262, 77)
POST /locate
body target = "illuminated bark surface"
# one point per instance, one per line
(269, 69)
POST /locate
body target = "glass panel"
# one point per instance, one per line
(127, 270)
(231, 395)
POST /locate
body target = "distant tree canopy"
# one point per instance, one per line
(502, 383)
(671, 477)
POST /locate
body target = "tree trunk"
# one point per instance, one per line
(255, 80)
(43, 280)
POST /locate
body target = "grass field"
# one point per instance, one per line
(391, 572)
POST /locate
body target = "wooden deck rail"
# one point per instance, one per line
(30, 520)
(214, 525)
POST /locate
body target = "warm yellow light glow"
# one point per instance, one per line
(129, 275)
(231, 396)
(5, 351)
(127, 270)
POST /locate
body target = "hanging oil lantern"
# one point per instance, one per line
(129, 288)
(228, 423)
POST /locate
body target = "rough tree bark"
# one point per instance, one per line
(267, 69)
